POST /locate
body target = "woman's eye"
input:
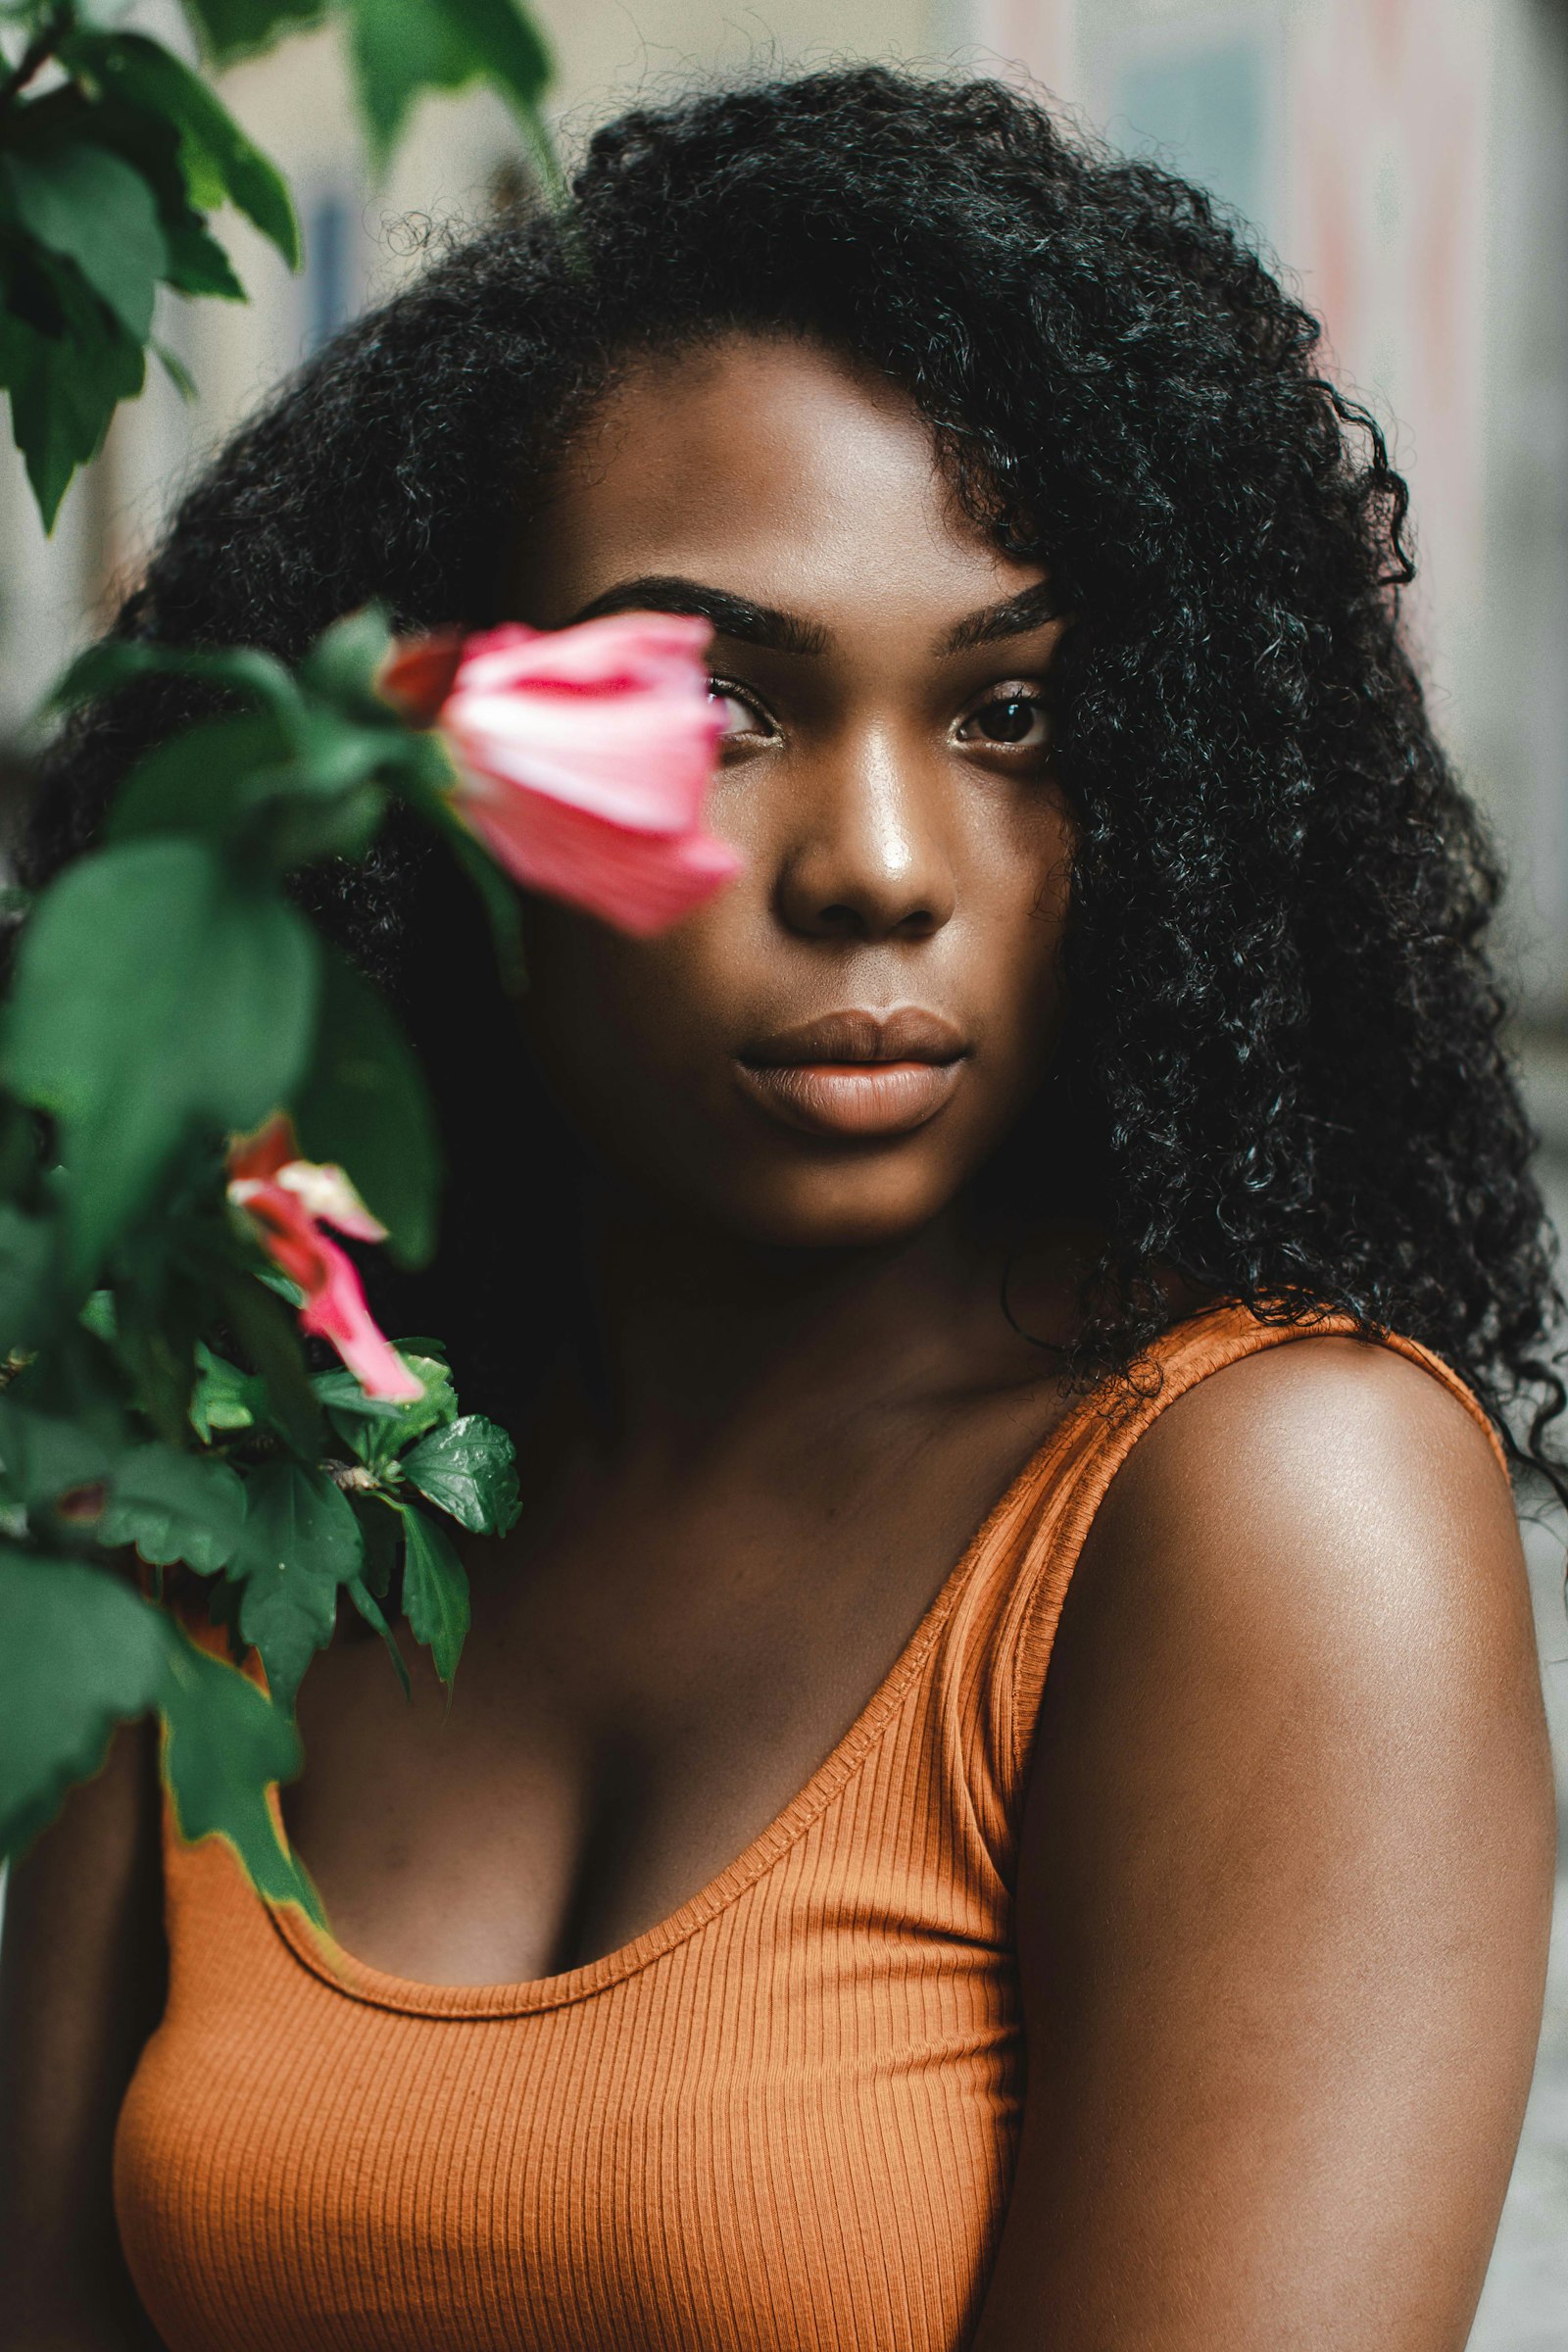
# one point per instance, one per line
(1016, 721)
(740, 714)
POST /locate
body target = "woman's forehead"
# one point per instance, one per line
(770, 465)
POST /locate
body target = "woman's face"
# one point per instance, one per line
(829, 1048)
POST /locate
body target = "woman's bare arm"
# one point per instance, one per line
(1285, 1883)
(81, 1988)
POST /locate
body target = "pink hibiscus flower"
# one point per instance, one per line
(287, 1200)
(583, 756)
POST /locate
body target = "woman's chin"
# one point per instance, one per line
(839, 1214)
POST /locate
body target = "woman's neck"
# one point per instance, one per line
(693, 1329)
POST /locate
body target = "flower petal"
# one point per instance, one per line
(334, 1307)
(286, 1227)
(645, 763)
(583, 759)
(328, 1192)
(614, 715)
(641, 882)
(256, 1157)
(337, 1312)
(624, 653)
(417, 677)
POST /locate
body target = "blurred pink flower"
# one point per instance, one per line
(583, 756)
(284, 1196)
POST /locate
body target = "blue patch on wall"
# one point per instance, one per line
(327, 292)
(1201, 113)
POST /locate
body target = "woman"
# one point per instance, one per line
(1089, 1096)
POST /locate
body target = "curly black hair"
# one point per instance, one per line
(1283, 1064)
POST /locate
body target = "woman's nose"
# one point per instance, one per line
(868, 859)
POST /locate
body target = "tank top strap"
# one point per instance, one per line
(1068, 1480)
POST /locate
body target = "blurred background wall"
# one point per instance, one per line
(1406, 161)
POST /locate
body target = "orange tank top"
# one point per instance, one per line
(784, 2118)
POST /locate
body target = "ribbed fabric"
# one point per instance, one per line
(782, 2121)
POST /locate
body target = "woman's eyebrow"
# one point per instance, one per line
(742, 618)
(1014, 617)
(732, 616)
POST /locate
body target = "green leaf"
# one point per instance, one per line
(302, 829)
(201, 780)
(47, 1454)
(224, 1745)
(154, 996)
(335, 751)
(279, 1284)
(198, 264)
(498, 897)
(161, 1309)
(398, 52)
(382, 1528)
(370, 1610)
(66, 386)
(73, 1379)
(426, 782)
(508, 48)
(100, 1316)
(22, 1152)
(174, 368)
(175, 1506)
(91, 206)
(233, 28)
(222, 1610)
(79, 1652)
(242, 669)
(26, 1266)
(378, 1428)
(345, 662)
(470, 1471)
(224, 1398)
(435, 1591)
(217, 157)
(300, 1542)
(269, 1333)
(340, 1391)
(364, 1105)
(281, 794)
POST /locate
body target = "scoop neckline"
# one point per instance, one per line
(358, 1980)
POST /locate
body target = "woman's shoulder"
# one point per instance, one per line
(1306, 1482)
(1253, 1493)
(1304, 1392)
(1307, 1360)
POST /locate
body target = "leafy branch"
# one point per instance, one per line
(110, 178)
(161, 1408)
(197, 1097)
(201, 1102)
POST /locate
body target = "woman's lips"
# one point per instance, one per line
(856, 1072)
(852, 1098)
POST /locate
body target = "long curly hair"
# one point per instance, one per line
(1283, 1069)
